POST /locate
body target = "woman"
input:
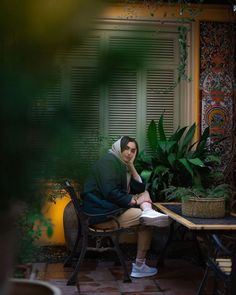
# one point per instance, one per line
(115, 188)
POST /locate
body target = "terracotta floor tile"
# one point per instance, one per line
(178, 287)
(41, 275)
(58, 267)
(100, 274)
(40, 267)
(138, 285)
(57, 275)
(66, 290)
(88, 265)
(143, 293)
(117, 272)
(101, 293)
(98, 287)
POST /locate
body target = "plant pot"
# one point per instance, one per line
(70, 224)
(32, 287)
(204, 207)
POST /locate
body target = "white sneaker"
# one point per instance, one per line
(142, 271)
(154, 218)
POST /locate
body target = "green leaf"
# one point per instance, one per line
(172, 158)
(145, 174)
(213, 158)
(187, 166)
(166, 145)
(161, 130)
(144, 157)
(49, 231)
(200, 148)
(202, 142)
(178, 134)
(197, 179)
(196, 162)
(205, 134)
(189, 136)
(161, 170)
(152, 135)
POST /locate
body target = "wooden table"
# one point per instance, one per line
(203, 226)
(173, 210)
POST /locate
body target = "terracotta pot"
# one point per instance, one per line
(70, 224)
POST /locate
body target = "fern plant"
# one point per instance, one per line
(184, 193)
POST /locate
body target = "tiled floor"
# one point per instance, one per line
(177, 277)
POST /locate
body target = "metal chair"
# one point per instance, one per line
(222, 263)
(85, 232)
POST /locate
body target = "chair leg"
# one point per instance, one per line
(72, 279)
(115, 240)
(202, 285)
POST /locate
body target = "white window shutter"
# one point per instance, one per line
(122, 103)
(158, 99)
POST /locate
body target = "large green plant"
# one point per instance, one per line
(176, 159)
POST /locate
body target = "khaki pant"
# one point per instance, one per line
(130, 218)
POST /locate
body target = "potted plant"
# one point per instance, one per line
(201, 202)
(176, 160)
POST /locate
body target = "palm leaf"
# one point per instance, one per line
(166, 145)
(172, 158)
(161, 130)
(146, 174)
(152, 135)
(196, 162)
(178, 134)
(186, 165)
(189, 136)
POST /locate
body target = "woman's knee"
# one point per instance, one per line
(130, 217)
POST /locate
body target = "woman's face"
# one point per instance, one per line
(129, 152)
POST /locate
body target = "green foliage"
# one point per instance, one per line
(176, 160)
(28, 48)
(184, 193)
(29, 229)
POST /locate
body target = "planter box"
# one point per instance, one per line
(204, 207)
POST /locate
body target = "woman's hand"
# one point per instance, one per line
(130, 164)
(142, 198)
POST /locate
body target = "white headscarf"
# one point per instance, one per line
(116, 151)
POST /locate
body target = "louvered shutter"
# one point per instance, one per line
(143, 93)
(159, 100)
(84, 98)
(85, 113)
(161, 74)
(122, 103)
